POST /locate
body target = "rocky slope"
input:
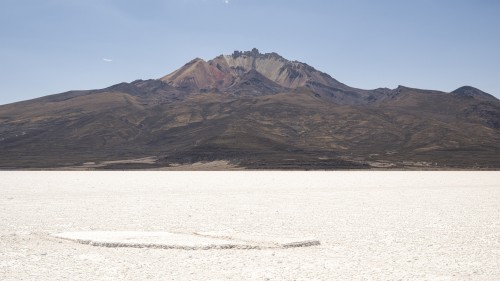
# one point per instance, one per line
(256, 111)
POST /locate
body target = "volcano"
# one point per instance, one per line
(254, 111)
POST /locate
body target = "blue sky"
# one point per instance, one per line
(52, 46)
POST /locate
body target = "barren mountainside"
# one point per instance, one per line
(253, 110)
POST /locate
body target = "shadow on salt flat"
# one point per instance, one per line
(195, 241)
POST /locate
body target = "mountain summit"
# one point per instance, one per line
(252, 110)
(227, 72)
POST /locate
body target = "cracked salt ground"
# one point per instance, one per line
(196, 241)
(371, 225)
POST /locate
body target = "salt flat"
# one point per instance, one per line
(371, 225)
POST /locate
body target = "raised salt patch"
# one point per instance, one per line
(141, 239)
(167, 240)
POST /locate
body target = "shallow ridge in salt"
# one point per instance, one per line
(194, 241)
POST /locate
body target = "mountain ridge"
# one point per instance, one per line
(257, 111)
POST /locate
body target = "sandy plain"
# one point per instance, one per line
(371, 225)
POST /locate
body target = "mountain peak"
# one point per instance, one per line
(225, 71)
(471, 92)
(254, 52)
(468, 90)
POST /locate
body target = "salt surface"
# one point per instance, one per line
(372, 225)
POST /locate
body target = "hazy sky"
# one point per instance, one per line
(51, 46)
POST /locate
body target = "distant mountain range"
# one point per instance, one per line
(256, 111)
